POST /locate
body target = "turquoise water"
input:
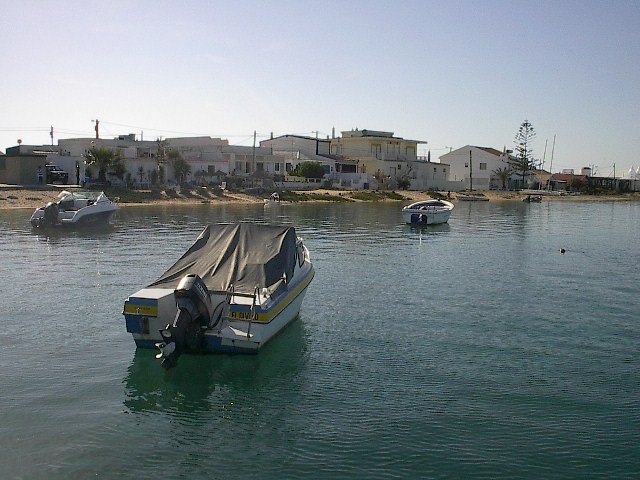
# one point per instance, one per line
(467, 350)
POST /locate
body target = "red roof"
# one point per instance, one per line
(490, 150)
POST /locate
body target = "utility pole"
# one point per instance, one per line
(470, 173)
(253, 157)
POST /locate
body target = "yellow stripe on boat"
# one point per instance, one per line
(146, 310)
(269, 315)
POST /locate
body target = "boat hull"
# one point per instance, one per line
(93, 219)
(416, 217)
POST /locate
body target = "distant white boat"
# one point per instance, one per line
(427, 212)
(274, 199)
(529, 191)
(472, 198)
(75, 209)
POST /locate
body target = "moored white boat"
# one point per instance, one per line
(75, 209)
(235, 288)
(427, 212)
(273, 200)
(472, 198)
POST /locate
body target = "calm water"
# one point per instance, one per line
(469, 350)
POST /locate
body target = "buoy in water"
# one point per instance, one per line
(562, 250)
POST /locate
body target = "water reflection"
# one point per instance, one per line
(202, 382)
(58, 235)
(430, 229)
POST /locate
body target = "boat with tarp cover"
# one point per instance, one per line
(233, 290)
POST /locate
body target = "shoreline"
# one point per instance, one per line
(32, 198)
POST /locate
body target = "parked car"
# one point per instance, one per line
(56, 174)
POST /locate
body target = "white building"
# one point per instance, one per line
(143, 157)
(244, 161)
(474, 167)
(295, 149)
(380, 160)
(373, 158)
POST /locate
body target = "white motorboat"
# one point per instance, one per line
(463, 197)
(273, 200)
(75, 209)
(235, 288)
(427, 212)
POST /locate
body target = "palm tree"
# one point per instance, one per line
(180, 166)
(117, 166)
(161, 158)
(102, 158)
(503, 173)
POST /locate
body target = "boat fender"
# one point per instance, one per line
(215, 318)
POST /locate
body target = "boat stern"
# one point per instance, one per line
(147, 312)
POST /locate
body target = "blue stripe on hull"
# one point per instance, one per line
(214, 345)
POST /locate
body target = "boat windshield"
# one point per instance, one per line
(66, 196)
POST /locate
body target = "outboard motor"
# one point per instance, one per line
(50, 214)
(186, 333)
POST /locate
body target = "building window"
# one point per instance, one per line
(483, 166)
(444, 170)
(276, 167)
(238, 166)
(259, 166)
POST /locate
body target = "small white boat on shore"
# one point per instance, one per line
(427, 212)
(74, 210)
(472, 198)
(273, 200)
(235, 288)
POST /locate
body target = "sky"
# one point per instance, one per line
(449, 73)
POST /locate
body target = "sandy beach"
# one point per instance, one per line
(31, 198)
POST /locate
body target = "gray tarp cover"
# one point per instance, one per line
(244, 254)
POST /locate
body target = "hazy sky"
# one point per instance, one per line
(447, 72)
